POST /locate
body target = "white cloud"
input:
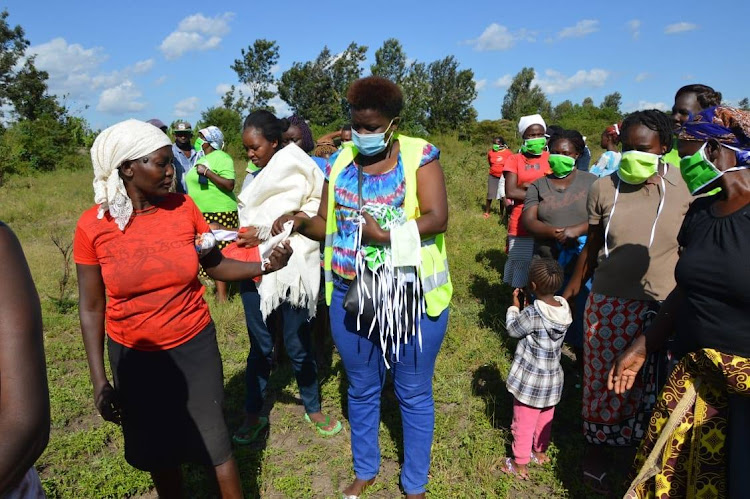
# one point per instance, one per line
(641, 77)
(143, 66)
(68, 65)
(688, 77)
(120, 99)
(582, 28)
(498, 37)
(554, 82)
(503, 82)
(281, 107)
(275, 68)
(479, 85)
(160, 80)
(223, 88)
(634, 26)
(682, 27)
(186, 107)
(196, 33)
(644, 104)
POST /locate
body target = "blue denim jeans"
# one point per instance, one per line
(299, 347)
(412, 380)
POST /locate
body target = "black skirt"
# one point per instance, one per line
(171, 403)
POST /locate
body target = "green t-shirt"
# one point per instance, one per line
(209, 197)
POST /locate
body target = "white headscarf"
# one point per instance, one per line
(526, 121)
(125, 141)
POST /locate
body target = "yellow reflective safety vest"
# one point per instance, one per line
(433, 270)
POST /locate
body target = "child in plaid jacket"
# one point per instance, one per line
(536, 376)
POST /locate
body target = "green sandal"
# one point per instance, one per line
(321, 425)
(248, 434)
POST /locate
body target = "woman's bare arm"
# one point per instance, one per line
(24, 395)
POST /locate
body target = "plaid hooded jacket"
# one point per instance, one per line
(536, 376)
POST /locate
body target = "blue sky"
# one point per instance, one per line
(171, 59)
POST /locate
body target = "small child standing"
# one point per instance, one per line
(536, 376)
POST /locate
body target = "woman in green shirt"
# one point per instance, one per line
(211, 185)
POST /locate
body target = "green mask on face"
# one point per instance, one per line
(199, 144)
(698, 171)
(637, 166)
(561, 165)
(495, 147)
(534, 146)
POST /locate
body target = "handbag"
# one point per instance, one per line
(362, 306)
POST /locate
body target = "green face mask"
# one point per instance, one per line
(495, 147)
(698, 171)
(561, 165)
(534, 146)
(637, 166)
(199, 144)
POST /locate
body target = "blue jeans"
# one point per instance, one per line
(412, 380)
(299, 348)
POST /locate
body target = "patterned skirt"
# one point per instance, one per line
(610, 326)
(230, 220)
(684, 452)
(520, 252)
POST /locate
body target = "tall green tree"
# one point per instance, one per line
(524, 98)
(316, 90)
(23, 87)
(612, 101)
(744, 104)
(255, 74)
(452, 92)
(416, 89)
(390, 61)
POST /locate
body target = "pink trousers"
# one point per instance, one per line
(531, 429)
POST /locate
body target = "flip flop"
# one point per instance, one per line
(320, 426)
(509, 468)
(596, 483)
(536, 460)
(247, 434)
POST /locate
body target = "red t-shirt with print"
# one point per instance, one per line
(527, 169)
(150, 272)
(496, 159)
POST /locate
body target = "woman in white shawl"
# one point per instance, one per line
(289, 183)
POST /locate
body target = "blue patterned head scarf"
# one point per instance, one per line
(728, 125)
(213, 136)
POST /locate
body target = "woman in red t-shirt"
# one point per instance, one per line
(137, 255)
(520, 171)
(495, 182)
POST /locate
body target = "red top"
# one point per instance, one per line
(496, 159)
(528, 169)
(150, 272)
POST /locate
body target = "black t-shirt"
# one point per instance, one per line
(714, 273)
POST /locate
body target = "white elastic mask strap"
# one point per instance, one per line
(609, 222)
(658, 212)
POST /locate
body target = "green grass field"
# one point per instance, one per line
(84, 458)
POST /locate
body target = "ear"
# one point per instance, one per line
(126, 170)
(713, 150)
(396, 122)
(533, 286)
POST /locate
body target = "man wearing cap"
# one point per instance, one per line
(185, 155)
(158, 124)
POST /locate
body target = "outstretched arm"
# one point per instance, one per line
(24, 396)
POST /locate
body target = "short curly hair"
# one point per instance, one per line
(376, 93)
